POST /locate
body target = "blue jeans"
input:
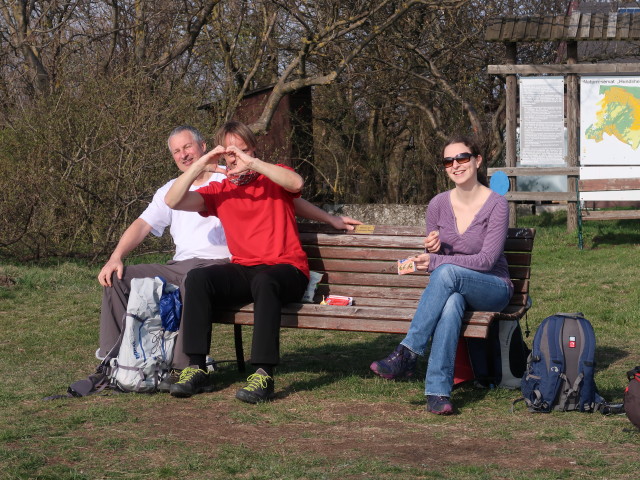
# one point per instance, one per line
(451, 290)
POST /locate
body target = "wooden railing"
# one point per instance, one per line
(515, 196)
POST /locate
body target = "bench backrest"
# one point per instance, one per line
(609, 184)
(364, 265)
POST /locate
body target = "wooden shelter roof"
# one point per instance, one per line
(575, 27)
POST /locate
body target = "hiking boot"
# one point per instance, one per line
(172, 377)
(259, 389)
(439, 405)
(192, 380)
(400, 364)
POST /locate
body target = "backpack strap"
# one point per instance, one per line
(513, 404)
(634, 373)
(141, 375)
(564, 398)
(98, 381)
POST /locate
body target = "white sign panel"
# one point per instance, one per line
(610, 121)
(542, 121)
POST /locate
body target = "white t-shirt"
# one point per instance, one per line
(194, 236)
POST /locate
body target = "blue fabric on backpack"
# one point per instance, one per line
(170, 307)
(561, 366)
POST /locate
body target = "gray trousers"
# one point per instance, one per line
(115, 298)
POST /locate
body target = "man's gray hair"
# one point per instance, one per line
(197, 136)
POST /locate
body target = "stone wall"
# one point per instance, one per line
(411, 215)
(382, 214)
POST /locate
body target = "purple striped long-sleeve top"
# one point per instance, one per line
(481, 246)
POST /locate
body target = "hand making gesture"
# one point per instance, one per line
(211, 160)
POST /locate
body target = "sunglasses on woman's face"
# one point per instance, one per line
(460, 158)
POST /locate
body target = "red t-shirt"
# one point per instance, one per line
(259, 221)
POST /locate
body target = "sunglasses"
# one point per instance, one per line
(461, 158)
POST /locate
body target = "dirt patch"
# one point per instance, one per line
(6, 280)
(384, 431)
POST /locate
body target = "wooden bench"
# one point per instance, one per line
(363, 265)
(609, 184)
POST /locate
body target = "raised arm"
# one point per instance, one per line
(238, 162)
(179, 197)
(309, 211)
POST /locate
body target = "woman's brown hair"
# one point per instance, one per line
(240, 130)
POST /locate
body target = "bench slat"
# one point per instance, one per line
(391, 269)
(610, 214)
(519, 244)
(304, 227)
(352, 319)
(388, 254)
(350, 240)
(348, 278)
(383, 230)
(517, 239)
(609, 184)
(354, 266)
(518, 300)
(518, 258)
(360, 291)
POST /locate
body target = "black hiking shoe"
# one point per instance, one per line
(259, 389)
(172, 377)
(439, 405)
(192, 380)
(401, 363)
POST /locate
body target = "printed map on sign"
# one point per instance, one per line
(610, 120)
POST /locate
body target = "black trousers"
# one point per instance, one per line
(268, 286)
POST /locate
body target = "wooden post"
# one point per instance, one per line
(511, 125)
(573, 116)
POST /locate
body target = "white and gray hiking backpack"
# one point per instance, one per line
(143, 353)
(145, 349)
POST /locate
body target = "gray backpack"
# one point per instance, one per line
(148, 337)
(142, 356)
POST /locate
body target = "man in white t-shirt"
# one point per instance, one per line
(199, 242)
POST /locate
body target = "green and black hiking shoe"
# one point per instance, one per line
(259, 389)
(192, 380)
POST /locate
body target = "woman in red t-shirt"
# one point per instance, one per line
(268, 266)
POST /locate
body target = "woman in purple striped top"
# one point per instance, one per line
(467, 227)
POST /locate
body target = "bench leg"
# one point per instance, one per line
(237, 336)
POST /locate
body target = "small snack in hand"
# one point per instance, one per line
(406, 266)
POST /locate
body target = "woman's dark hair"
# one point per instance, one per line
(473, 147)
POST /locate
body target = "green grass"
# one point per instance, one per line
(333, 419)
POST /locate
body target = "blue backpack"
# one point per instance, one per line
(560, 368)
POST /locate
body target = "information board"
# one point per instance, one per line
(542, 138)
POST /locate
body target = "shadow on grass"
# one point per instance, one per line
(608, 355)
(334, 361)
(344, 358)
(613, 238)
(544, 219)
